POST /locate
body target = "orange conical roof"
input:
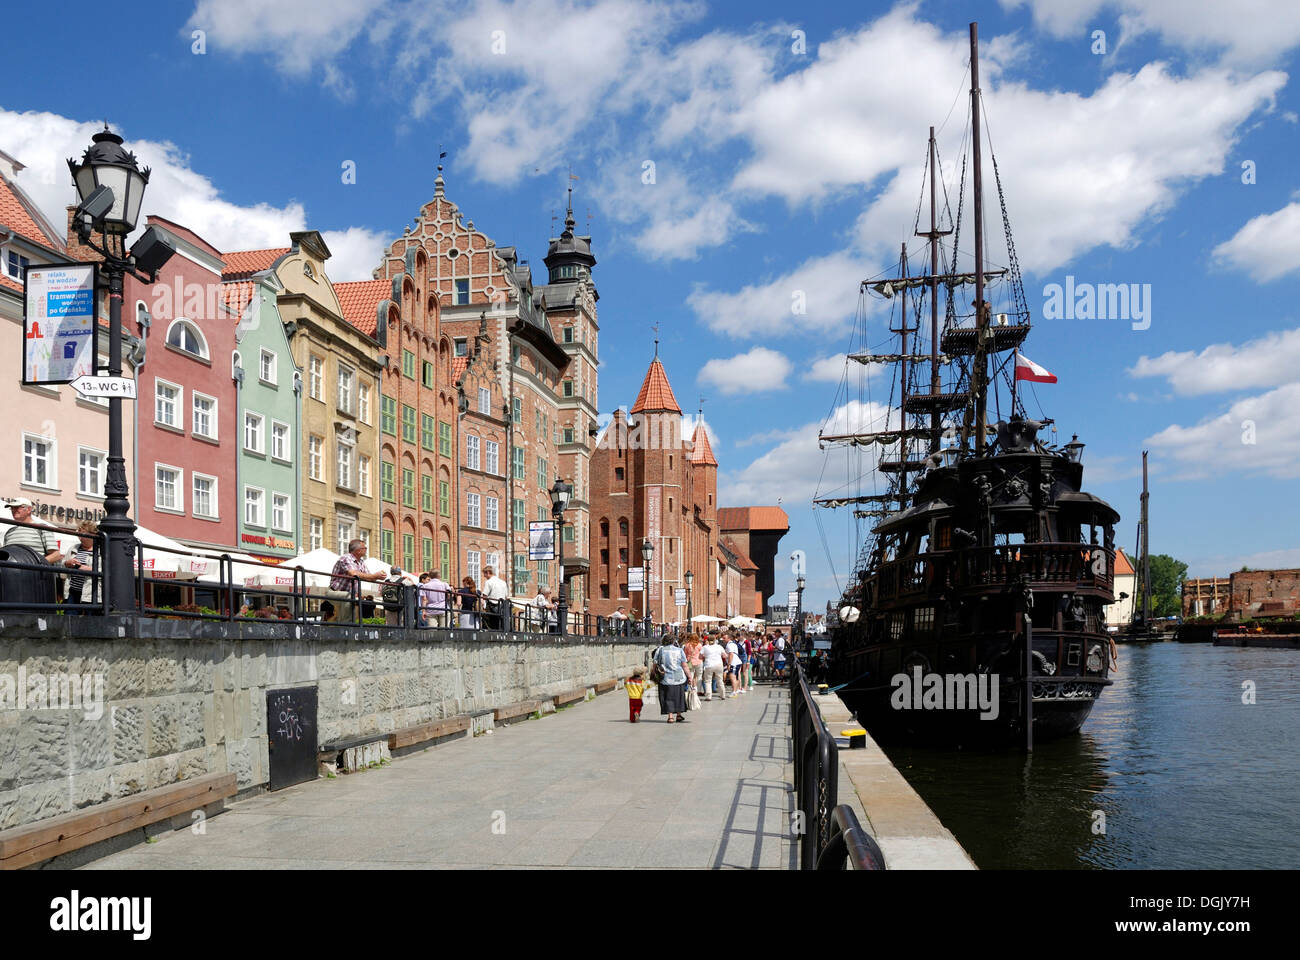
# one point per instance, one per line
(655, 393)
(701, 449)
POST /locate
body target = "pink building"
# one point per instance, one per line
(188, 443)
(55, 450)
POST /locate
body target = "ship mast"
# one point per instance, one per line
(981, 316)
(933, 235)
(903, 442)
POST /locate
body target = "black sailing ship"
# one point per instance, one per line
(974, 614)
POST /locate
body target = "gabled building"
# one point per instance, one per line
(755, 533)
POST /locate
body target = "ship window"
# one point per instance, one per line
(895, 626)
(943, 536)
(923, 619)
(1073, 654)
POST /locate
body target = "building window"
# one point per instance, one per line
(491, 506)
(363, 476)
(388, 415)
(185, 336)
(426, 493)
(471, 452)
(541, 473)
(514, 353)
(426, 553)
(315, 453)
(618, 473)
(493, 464)
(386, 546)
(167, 488)
(166, 398)
(462, 292)
(485, 401)
(426, 431)
(316, 377)
(569, 534)
(280, 511)
(345, 466)
(472, 565)
(519, 463)
(16, 264)
(253, 440)
(568, 334)
(519, 517)
(622, 554)
(267, 367)
(462, 346)
(517, 409)
(316, 532)
(444, 438)
(90, 471)
(387, 481)
(426, 374)
(408, 551)
(568, 388)
(472, 510)
(622, 528)
(280, 440)
(521, 572)
(568, 434)
(444, 498)
(408, 487)
(205, 496)
(363, 402)
(408, 423)
(444, 559)
(408, 364)
(254, 506)
(203, 416)
(346, 384)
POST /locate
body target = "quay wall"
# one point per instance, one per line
(183, 698)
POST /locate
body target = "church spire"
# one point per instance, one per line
(656, 393)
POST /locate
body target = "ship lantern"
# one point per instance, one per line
(1074, 450)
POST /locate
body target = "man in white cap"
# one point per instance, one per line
(42, 541)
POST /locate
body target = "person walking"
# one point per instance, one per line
(778, 656)
(496, 604)
(695, 666)
(733, 665)
(711, 656)
(672, 688)
(468, 594)
(635, 687)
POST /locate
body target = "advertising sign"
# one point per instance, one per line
(635, 579)
(60, 334)
(541, 540)
(681, 596)
(793, 599)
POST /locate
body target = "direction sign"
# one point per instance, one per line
(123, 387)
(681, 596)
(635, 579)
(792, 598)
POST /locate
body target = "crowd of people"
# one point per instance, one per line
(699, 667)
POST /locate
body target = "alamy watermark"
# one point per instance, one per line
(55, 691)
(1098, 301)
(946, 691)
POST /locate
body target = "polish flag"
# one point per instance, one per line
(1026, 369)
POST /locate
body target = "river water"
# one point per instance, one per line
(1171, 771)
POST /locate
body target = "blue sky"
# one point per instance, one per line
(775, 171)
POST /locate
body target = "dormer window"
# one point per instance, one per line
(564, 271)
(185, 336)
(308, 272)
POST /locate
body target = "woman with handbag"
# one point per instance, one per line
(671, 662)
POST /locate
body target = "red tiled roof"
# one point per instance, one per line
(237, 294)
(742, 558)
(701, 450)
(16, 214)
(655, 393)
(1122, 566)
(752, 518)
(11, 284)
(242, 264)
(359, 301)
(458, 366)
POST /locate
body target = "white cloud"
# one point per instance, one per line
(1259, 434)
(1267, 247)
(827, 369)
(757, 371)
(297, 34)
(826, 288)
(43, 141)
(1265, 362)
(1251, 31)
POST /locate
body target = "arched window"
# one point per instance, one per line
(185, 336)
(622, 528)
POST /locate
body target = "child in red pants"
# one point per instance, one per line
(635, 686)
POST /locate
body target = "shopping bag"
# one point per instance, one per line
(692, 698)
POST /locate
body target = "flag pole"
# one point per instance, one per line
(1015, 377)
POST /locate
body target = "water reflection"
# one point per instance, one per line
(1183, 772)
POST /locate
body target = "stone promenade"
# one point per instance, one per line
(578, 788)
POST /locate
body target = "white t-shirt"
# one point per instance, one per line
(734, 652)
(711, 654)
(495, 588)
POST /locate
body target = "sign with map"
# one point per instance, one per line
(60, 332)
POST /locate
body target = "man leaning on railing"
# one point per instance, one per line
(347, 570)
(41, 541)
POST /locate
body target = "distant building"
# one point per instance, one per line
(1206, 596)
(1120, 613)
(757, 531)
(1244, 595)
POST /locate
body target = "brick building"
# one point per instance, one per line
(1243, 595)
(755, 533)
(1206, 596)
(488, 305)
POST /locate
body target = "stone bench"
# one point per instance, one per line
(427, 732)
(522, 710)
(35, 842)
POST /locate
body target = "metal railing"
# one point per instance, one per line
(830, 836)
(30, 583)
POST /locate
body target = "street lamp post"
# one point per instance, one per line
(110, 185)
(690, 597)
(799, 583)
(647, 564)
(560, 494)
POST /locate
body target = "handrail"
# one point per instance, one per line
(829, 832)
